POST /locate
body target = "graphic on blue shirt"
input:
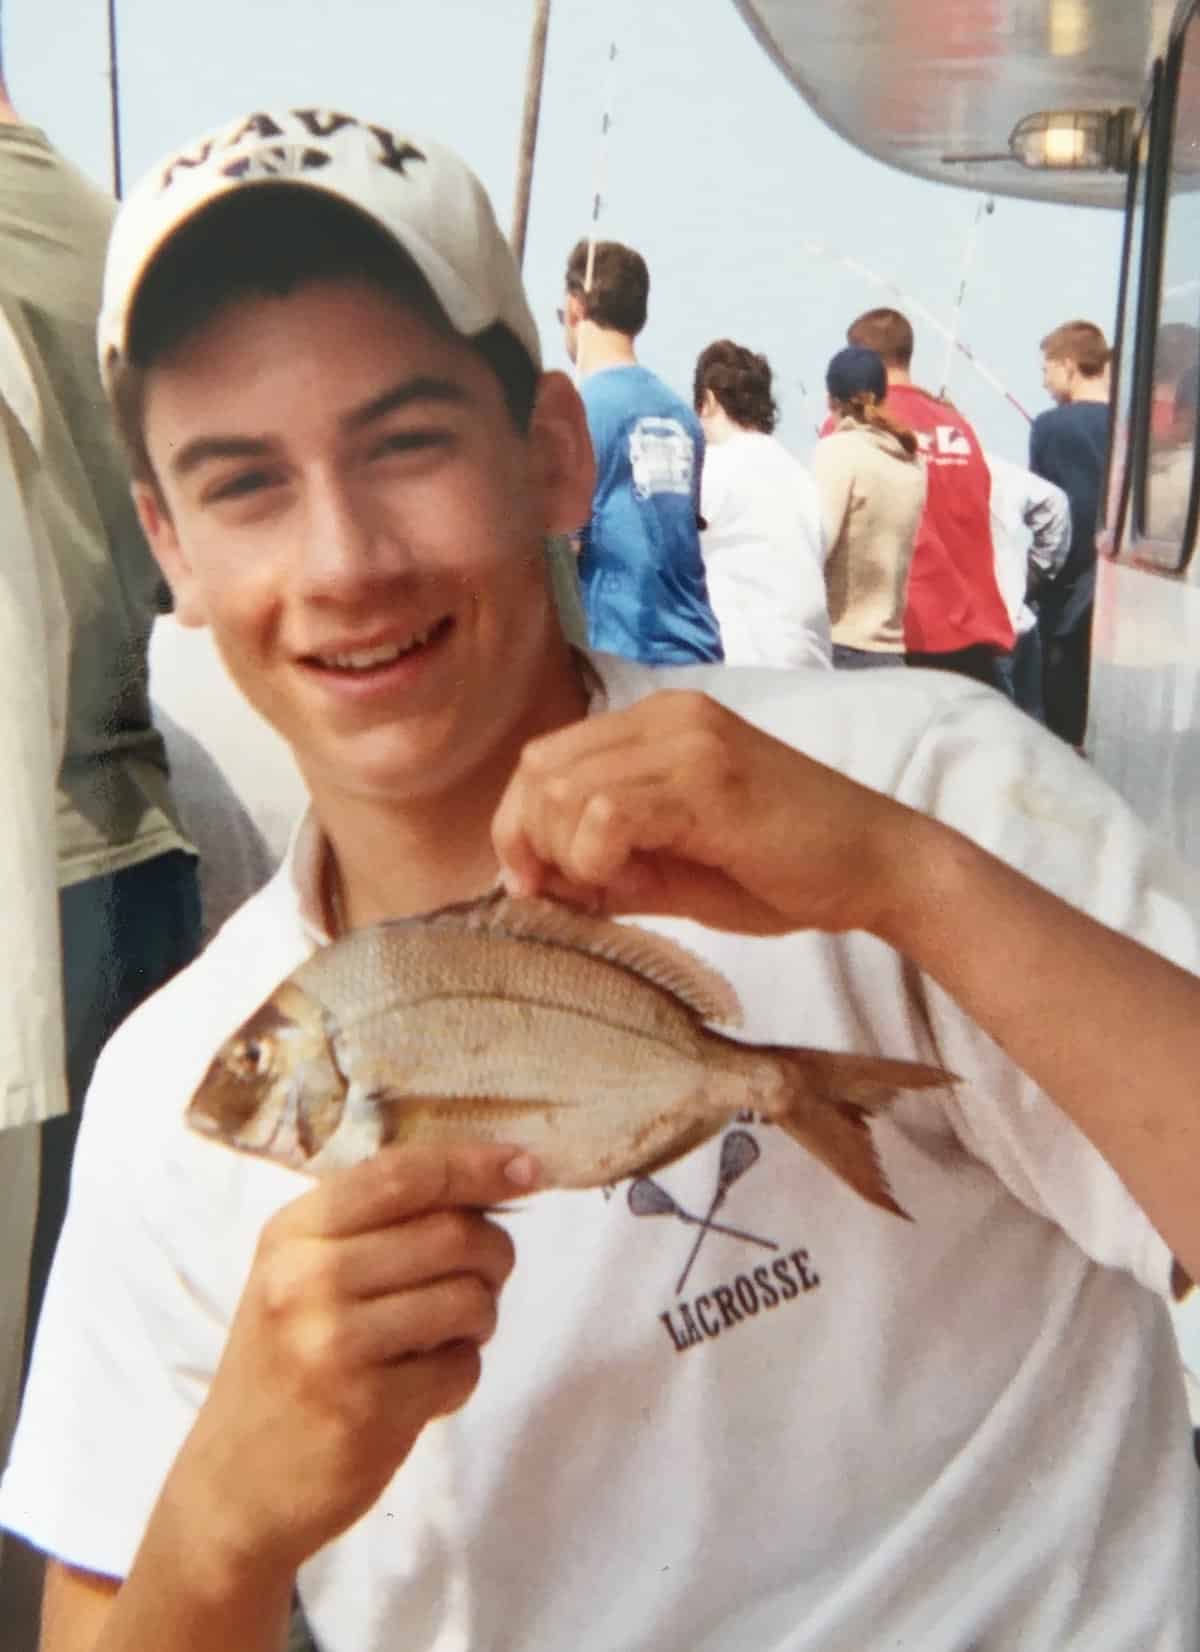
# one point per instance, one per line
(641, 569)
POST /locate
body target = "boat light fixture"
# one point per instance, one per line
(1074, 140)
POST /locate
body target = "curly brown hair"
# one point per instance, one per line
(741, 382)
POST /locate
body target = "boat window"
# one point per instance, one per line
(1172, 439)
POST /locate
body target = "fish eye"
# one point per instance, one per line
(250, 1057)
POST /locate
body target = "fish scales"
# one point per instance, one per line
(583, 1040)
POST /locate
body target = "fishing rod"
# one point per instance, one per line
(535, 75)
(985, 209)
(818, 249)
(114, 98)
(600, 180)
(601, 168)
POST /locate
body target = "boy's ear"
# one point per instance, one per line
(160, 532)
(563, 454)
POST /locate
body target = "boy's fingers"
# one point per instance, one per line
(402, 1182)
(438, 1245)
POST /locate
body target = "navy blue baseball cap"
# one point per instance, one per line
(856, 371)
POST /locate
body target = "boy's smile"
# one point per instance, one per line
(351, 508)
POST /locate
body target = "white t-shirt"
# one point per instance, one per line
(839, 1432)
(764, 552)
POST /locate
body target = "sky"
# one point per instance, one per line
(747, 209)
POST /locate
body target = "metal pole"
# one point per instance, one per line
(115, 97)
(534, 76)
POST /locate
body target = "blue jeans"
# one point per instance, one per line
(1021, 672)
(862, 659)
(123, 936)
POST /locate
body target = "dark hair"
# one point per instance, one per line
(1081, 342)
(741, 382)
(268, 242)
(886, 331)
(620, 289)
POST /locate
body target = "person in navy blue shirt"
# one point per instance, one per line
(640, 564)
(1067, 446)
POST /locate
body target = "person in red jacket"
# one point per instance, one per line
(955, 618)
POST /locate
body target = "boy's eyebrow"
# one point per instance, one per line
(195, 453)
(426, 388)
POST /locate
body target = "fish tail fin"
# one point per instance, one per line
(829, 1101)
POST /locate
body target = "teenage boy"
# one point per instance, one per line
(812, 1424)
(1068, 444)
(955, 618)
(641, 566)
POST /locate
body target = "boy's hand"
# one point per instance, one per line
(361, 1320)
(679, 806)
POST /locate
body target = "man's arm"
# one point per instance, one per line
(833, 473)
(677, 806)
(1047, 515)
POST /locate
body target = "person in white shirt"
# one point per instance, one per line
(1031, 535)
(839, 1429)
(762, 541)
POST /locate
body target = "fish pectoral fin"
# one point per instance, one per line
(404, 1114)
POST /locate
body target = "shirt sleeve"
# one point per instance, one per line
(1047, 515)
(1028, 798)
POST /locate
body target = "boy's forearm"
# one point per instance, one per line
(190, 1592)
(1110, 1030)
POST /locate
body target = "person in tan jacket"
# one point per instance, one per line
(872, 487)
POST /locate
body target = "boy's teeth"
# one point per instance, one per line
(364, 659)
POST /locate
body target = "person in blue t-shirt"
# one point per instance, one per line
(640, 563)
(1067, 446)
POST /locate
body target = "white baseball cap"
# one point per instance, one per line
(425, 198)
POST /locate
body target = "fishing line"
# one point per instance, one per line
(819, 249)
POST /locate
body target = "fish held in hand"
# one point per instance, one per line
(523, 1021)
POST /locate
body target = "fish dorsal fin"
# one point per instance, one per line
(654, 957)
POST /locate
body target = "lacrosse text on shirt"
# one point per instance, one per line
(725, 1307)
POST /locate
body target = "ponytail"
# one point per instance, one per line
(864, 408)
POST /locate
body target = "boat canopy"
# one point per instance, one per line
(922, 84)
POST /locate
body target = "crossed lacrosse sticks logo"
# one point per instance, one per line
(739, 1151)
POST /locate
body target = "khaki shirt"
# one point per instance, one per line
(114, 807)
(33, 681)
